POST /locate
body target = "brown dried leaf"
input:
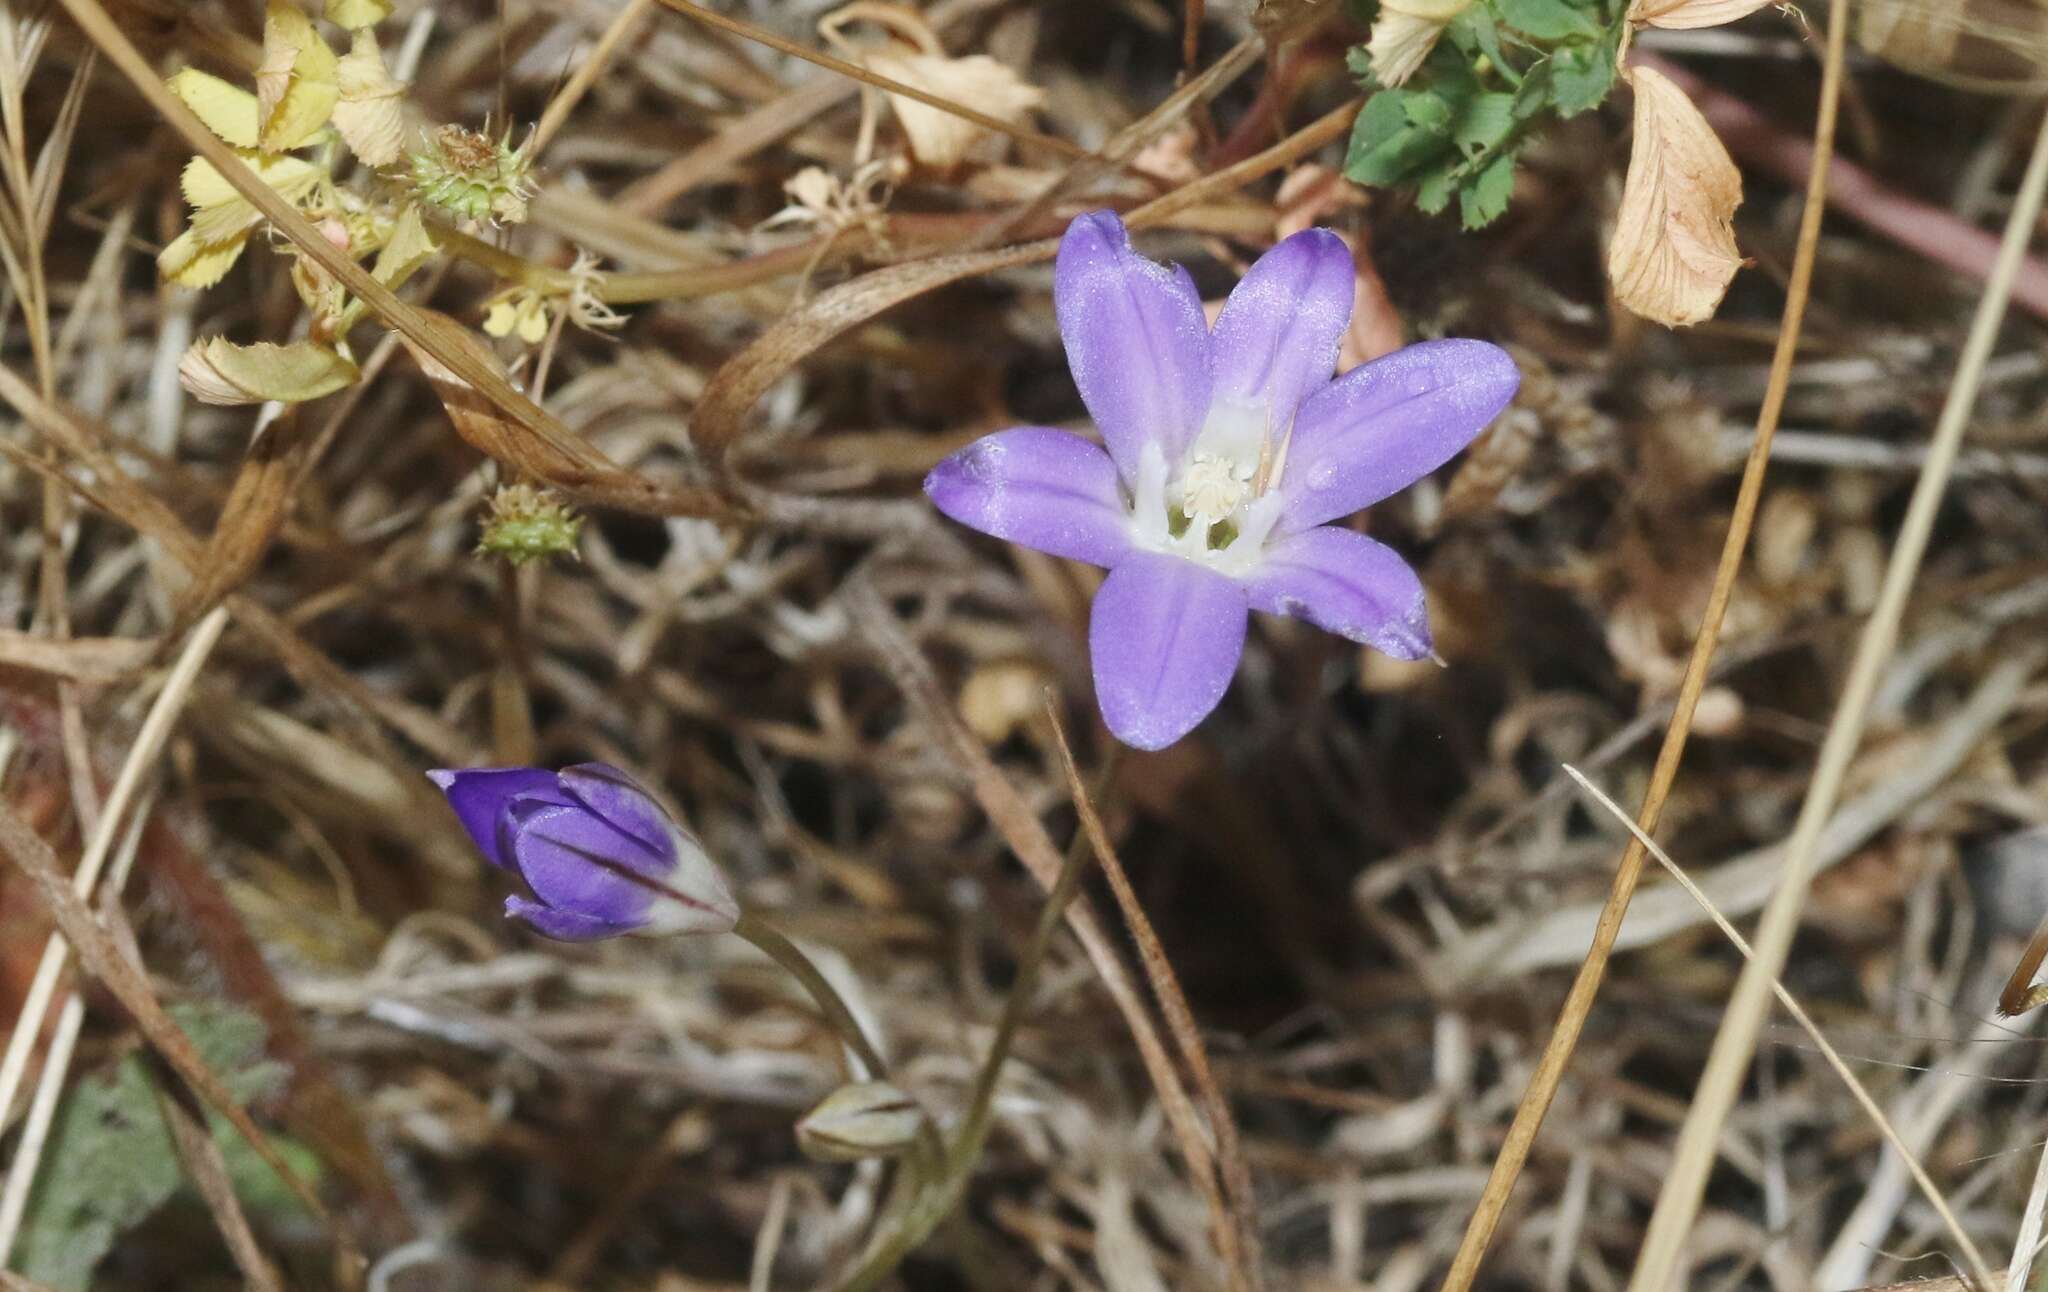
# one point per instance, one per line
(1918, 37)
(1673, 251)
(937, 138)
(1682, 15)
(487, 430)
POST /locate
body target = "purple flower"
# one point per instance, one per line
(600, 855)
(1225, 453)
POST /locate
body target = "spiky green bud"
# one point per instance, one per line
(461, 171)
(529, 524)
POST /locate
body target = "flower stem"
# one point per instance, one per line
(937, 1203)
(830, 1003)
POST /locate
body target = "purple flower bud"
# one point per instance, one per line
(600, 854)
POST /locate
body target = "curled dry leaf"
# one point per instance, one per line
(1404, 33)
(1684, 15)
(367, 112)
(297, 84)
(1910, 34)
(937, 138)
(491, 432)
(1673, 251)
(217, 371)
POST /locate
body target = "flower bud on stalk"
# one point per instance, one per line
(863, 1120)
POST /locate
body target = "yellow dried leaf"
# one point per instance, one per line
(204, 186)
(1404, 33)
(405, 250)
(297, 83)
(188, 262)
(1681, 15)
(937, 138)
(367, 112)
(217, 371)
(227, 110)
(1673, 251)
(217, 224)
(356, 15)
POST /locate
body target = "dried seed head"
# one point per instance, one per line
(862, 1120)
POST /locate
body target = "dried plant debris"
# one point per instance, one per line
(768, 471)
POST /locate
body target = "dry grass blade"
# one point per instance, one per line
(34, 858)
(1026, 836)
(1678, 1200)
(208, 1170)
(1173, 1003)
(1557, 1050)
(1974, 1258)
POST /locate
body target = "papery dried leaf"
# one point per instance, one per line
(367, 113)
(228, 110)
(355, 15)
(1910, 33)
(938, 138)
(297, 84)
(479, 422)
(188, 262)
(408, 247)
(1404, 33)
(292, 177)
(1673, 252)
(1683, 15)
(217, 371)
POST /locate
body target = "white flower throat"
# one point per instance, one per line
(1218, 504)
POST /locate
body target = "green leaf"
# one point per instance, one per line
(1387, 145)
(1476, 28)
(110, 1160)
(1486, 123)
(1486, 196)
(1425, 110)
(217, 371)
(1582, 74)
(1433, 194)
(1546, 20)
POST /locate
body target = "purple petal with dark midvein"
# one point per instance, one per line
(1165, 637)
(563, 926)
(1384, 425)
(1277, 337)
(1347, 584)
(1042, 488)
(1137, 342)
(479, 796)
(621, 801)
(575, 862)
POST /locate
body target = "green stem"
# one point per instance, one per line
(830, 1003)
(938, 1202)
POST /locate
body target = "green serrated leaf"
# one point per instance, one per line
(1426, 110)
(118, 1165)
(1387, 146)
(1486, 195)
(1433, 192)
(1486, 123)
(1582, 74)
(1547, 20)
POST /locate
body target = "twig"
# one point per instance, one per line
(1906, 1156)
(600, 58)
(1678, 1199)
(1557, 1051)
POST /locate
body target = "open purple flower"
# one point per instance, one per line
(1225, 454)
(601, 856)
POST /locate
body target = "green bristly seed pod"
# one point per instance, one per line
(528, 524)
(464, 173)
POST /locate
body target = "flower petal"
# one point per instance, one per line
(480, 795)
(1384, 425)
(620, 800)
(1276, 340)
(563, 926)
(1136, 340)
(1039, 487)
(1347, 584)
(576, 862)
(1165, 637)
